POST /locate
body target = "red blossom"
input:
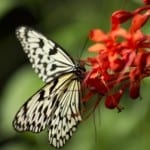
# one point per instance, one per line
(147, 2)
(139, 20)
(135, 90)
(119, 17)
(122, 58)
(113, 100)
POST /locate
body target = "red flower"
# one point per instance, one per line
(122, 59)
(147, 2)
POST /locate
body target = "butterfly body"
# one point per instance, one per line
(56, 106)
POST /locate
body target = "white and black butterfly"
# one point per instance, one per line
(56, 106)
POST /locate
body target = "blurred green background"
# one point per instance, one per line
(67, 22)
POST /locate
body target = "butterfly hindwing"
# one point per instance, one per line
(55, 106)
(67, 115)
(47, 58)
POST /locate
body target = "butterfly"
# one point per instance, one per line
(56, 106)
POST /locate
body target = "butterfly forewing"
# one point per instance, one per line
(48, 59)
(33, 115)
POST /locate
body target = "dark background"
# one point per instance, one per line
(68, 22)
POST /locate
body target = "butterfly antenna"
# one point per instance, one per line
(82, 49)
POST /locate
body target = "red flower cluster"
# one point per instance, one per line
(146, 2)
(122, 59)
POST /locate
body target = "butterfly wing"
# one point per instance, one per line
(33, 115)
(55, 106)
(67, 116)
(47, 58)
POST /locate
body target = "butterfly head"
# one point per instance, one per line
(80, 71)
